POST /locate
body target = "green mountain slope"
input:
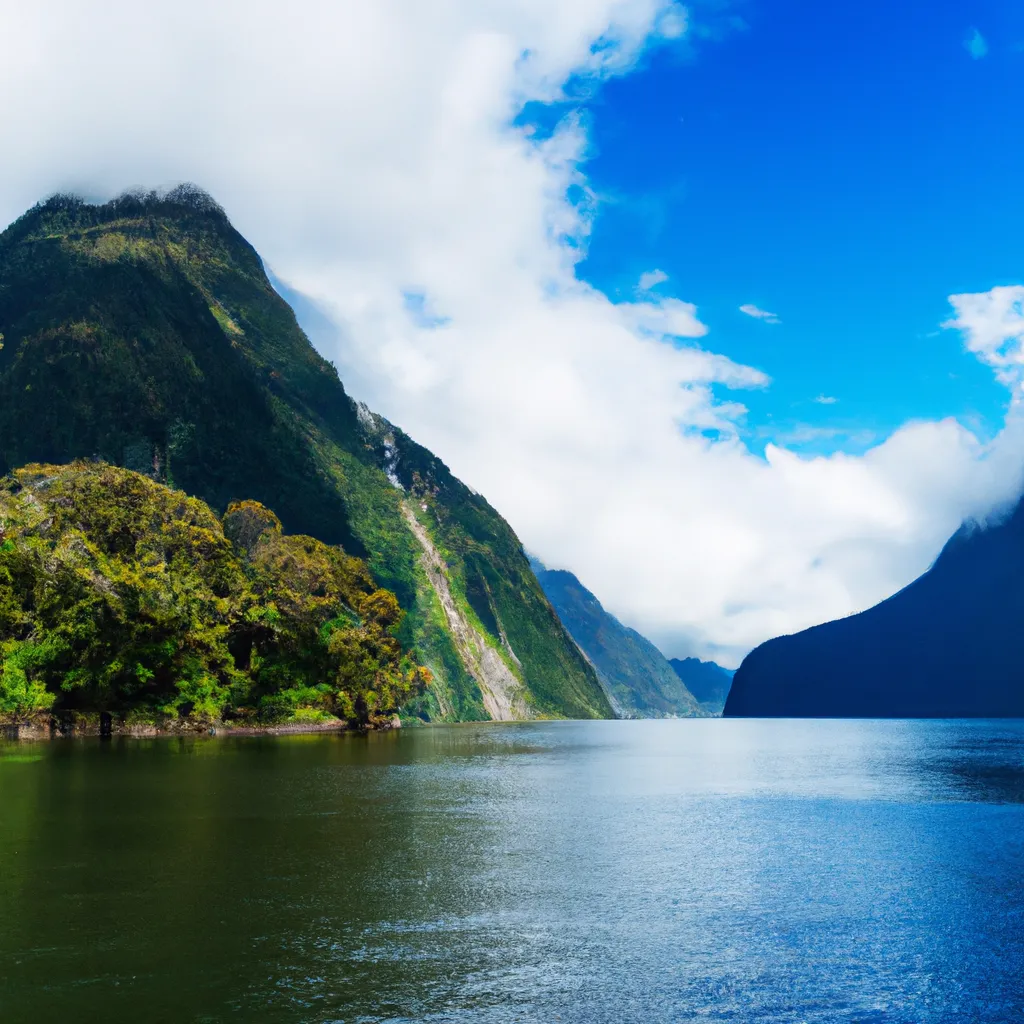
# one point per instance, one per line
(640, 682)
(145, 332)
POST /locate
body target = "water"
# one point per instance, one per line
(585, 872)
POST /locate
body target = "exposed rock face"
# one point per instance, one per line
(947, 646)
(502, 691)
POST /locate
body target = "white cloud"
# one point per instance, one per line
(366, 149)
(826, 400)
(759, 314)
(672, 22)
(651, 279)
(992, 324)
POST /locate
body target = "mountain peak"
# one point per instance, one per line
(64, 213)
(946, 646)
(183, 197)
(145, 332)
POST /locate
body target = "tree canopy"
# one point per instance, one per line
(119, 594)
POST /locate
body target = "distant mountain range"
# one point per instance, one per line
(145, 333)
(946, 646)
(640, 682)
(706, 680)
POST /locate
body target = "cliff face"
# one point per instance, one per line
(947, 646)
(638, 679)
(145, 332)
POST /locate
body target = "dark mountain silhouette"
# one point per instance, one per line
(946, 646)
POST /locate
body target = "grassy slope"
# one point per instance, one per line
(146, 332)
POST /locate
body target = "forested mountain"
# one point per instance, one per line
(638, 679)
(144, 333)
(947, 646)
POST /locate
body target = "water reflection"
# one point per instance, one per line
(647, 871)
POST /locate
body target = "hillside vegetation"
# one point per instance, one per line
(120, 595)
(706, 680)
(146, 334)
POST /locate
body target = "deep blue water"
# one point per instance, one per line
(702, 870)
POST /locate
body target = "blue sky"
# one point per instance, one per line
(844, 166)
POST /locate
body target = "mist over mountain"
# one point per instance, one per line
(946, 646)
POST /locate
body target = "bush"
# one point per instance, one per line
(20, 695)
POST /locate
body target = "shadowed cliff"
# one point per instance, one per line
(638, 679)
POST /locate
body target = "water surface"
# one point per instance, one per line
(707, 870)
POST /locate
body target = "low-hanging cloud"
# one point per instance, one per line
(369, 152)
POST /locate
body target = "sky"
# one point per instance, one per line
(720, 305)
(844, 167)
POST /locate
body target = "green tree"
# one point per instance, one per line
(119, 594)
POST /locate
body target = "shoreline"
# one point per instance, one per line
(92, 725)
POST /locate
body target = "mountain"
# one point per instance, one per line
(707, 681)
(639, 681)
(946, 646)
(145, 332)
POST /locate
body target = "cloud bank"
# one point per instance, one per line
(368, 151)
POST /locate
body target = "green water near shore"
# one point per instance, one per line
(588, 872)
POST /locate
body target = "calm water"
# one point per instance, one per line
(583, 872)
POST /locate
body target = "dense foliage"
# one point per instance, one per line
(119, 594)
(146, 333)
